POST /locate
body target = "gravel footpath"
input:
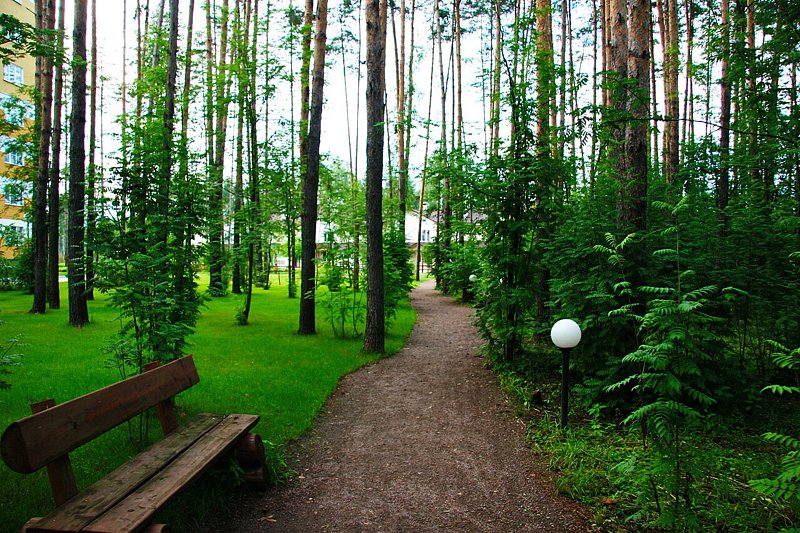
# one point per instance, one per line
(421, 441)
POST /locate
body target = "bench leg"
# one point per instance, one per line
(250, 456)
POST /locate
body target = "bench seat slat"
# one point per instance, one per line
(134, 511)
(108, 491)
(35, 441)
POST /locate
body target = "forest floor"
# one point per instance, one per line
(422, 441)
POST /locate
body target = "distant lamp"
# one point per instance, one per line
(473, 278)
(566, 334)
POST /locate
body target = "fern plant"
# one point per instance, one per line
(678, 337)
(786, 485)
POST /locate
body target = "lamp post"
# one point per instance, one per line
(566, 334)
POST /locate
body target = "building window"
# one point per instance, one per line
(13, 74)
(13, 190)
(14, 158)
(13, 195)
(11, 148)
(15, 111)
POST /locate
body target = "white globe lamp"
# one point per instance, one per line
(566, 334)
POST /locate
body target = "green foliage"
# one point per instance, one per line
(679, 338)
(8, 358)
(464, 262)
(18, 39)
(144, 236)
(786, 485)
(398, 272)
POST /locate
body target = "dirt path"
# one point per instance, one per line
(422, 441)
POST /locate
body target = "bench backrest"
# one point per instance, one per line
(37, 440)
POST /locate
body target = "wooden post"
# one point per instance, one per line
(62, 479)
(165, 409)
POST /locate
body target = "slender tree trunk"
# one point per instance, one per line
(546, 79)
(305, 86)
(494, 115)
(254, 225)
(723, 182)
(311, 182)
(217, 227)
(374, 334)
(424, 171)
(91, 196)
(402, 163)
(78, 310)
(54, 211)
(238, 188)
(670, 43)
(45, 16)
(184, 232)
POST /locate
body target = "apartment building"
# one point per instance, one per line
(17, 113)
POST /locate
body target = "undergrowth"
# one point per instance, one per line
(592, 459)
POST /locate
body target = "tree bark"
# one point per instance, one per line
(216, 225)
(78, 310)
(45, 15)
(633, 207)
(311, 182)
(669, 42)
(54, 211)
(374, 334)
(91, 197)
(725, 121)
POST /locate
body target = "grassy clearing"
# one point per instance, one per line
(263, 368)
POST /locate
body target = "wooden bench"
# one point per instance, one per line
(129, 497)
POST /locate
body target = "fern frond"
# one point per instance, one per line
(703, 292)
(783, 440)
(599, 248)
(647, 289)
(777, 489)
(622, 285)
(627, 240)
(781, 389)
(665, 251)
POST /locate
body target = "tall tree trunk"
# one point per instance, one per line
(184, 232)
(494, 115)
(617, 54)
(402, 163)
(217, 225)
(311, 182)
(374, 334)
(723, 182)
(91, 195)
(254, 222)
(546, 75)
(546, 87)
(54, 211)
(671, 53)
(78, 310)
(238, 188)
(424, 171)
(45, 16)
(634, 207)
(305, 77)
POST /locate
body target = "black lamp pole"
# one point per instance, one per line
(564, 385)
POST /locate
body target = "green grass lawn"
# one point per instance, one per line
(263, 368)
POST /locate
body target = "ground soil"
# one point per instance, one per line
(421, 441)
